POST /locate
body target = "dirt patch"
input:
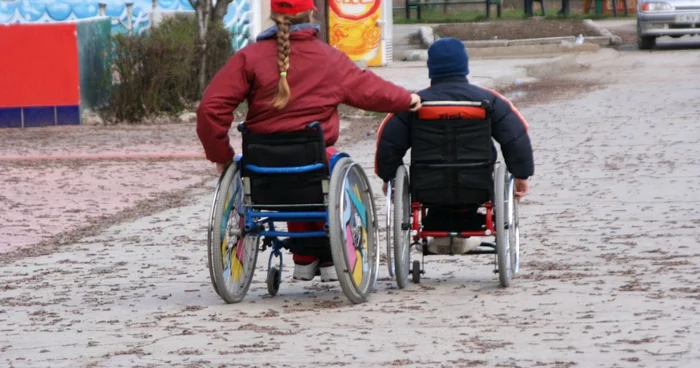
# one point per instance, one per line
(160, 202)
(360, 129)
(515, 29)
(548, 90)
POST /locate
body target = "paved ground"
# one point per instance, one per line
(609, 279)
(46, 191)
(115, 168)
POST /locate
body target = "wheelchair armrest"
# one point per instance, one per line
(335, 158)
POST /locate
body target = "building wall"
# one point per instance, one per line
(64, 71)
(237, 20)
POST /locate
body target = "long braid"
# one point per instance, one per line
(283, 47)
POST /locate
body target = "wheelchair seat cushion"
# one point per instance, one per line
(285, 150)
(452, 155)
(445, 219)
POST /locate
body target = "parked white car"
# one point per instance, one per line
(675, 18)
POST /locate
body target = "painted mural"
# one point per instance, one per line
(237, 19)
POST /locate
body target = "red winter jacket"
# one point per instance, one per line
(320, 78)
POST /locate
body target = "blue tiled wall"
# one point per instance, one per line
(29, 117)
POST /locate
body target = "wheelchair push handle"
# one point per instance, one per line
(483, 104)
(315, 125)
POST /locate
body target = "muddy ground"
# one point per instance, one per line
(514, 29)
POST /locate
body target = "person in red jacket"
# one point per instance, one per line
(289, 78)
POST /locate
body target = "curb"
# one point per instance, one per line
(485, 51)
(598, 40)
(428, 37)
(614, 40)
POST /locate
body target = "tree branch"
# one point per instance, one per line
(220, 10)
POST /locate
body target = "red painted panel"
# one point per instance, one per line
(39, 65)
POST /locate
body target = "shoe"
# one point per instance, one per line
(458, 246)
(305, 267)
(328, 272)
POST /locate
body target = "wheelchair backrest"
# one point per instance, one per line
(452, 154)
(285, 169)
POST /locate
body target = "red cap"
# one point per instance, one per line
(292, 7)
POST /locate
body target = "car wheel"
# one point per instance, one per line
(644, 42)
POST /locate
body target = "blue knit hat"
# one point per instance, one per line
(447, 57)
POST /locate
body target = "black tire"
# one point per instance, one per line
(644, 42)
(274, 279)
(415, 272)
(402, 215)
(227, 243)
(357, 283)
(210, 231)
(503, 252)
(388, 229)
(514, 231)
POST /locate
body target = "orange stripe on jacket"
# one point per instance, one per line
(379, 137)
(451, 112)
(512, 107)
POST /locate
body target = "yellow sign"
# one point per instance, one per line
(353, 27)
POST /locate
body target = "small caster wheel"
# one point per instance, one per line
(274, 278)
(416, 272)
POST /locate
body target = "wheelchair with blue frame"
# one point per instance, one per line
(462, 172)
(286, 177)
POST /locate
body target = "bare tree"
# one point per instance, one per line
(206, 11)
(220, 9)
(322, 19)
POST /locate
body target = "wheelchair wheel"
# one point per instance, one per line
(503, 238)
(210, 232)
(416, 272)
(353, 230)
(274, 279)
(402, 237)
(232, 256)
(389, 229)
(514, 226)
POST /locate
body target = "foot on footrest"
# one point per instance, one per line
(305, 272)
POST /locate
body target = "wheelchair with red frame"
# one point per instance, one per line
(461, 172)
(287, 177)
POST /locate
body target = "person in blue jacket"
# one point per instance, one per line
(448, 65)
